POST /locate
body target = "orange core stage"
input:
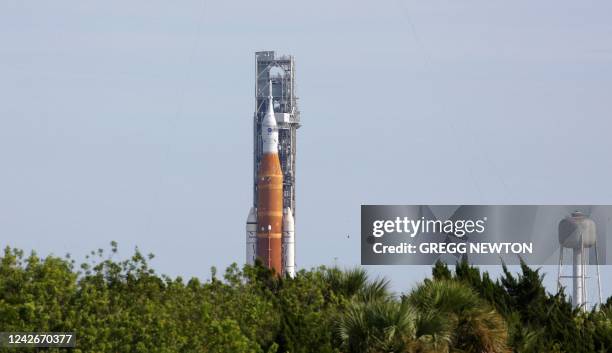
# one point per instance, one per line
(270, 212)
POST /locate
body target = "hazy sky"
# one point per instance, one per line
(132, 120)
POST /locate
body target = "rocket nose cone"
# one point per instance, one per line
(269, 117)
(269, 129)
(269, 120)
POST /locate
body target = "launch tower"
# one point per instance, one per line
(280, 70)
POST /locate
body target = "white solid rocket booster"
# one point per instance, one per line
(288, 242)
(251, 237)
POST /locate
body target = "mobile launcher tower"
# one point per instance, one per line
(270, 229)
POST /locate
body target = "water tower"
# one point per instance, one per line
(578, 232)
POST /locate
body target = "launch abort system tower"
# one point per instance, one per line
(280, 72)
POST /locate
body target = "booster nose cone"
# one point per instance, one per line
(288, 221)
(269, 129)
(252, 217)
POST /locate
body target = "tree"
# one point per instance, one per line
(476, 326)
(125, 306)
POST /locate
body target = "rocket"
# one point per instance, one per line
(270, 229)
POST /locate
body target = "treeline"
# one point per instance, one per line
(123, 306)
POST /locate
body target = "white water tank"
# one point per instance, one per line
(577, 231)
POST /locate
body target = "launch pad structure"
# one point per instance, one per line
(279, 71)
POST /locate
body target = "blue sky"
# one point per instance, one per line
(131, 121)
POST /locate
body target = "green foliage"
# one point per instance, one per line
(125, 306)
(438, 316)
(537, 321)
(473, 325)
